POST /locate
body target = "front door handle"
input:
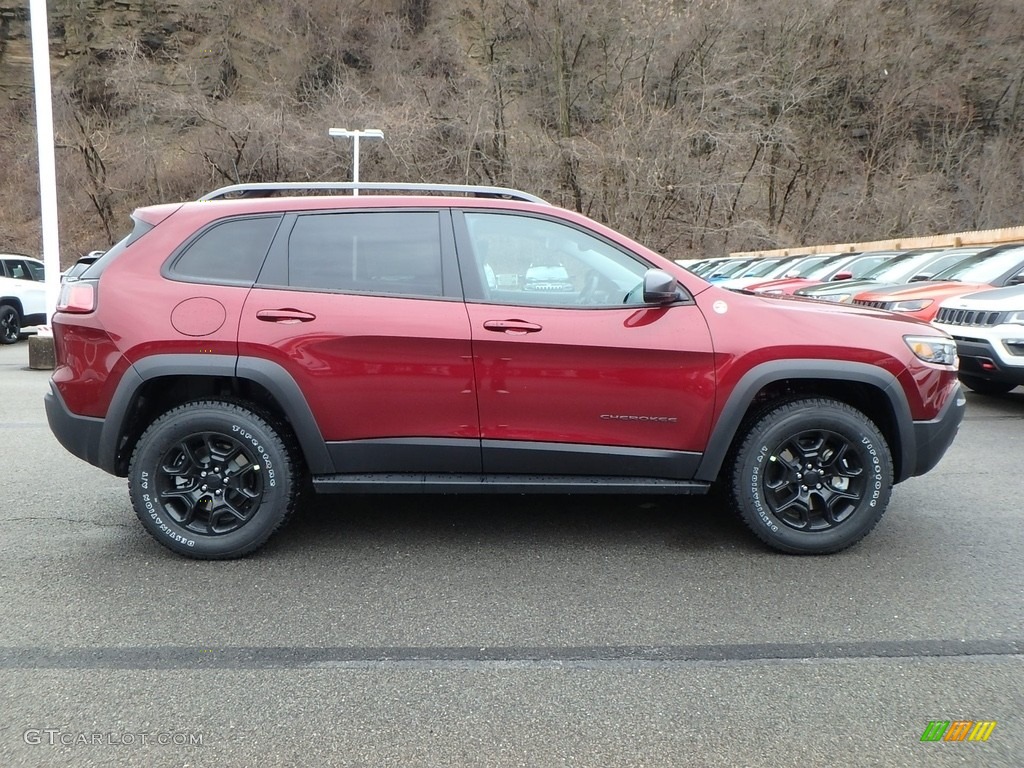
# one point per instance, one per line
(515, 327)
(286, 316)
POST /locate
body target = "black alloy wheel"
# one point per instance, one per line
(10, 324)
(811, 476)
(814, 480)
(209, 483)
(214, 479)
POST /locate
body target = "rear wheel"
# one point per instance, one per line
(812, 476)
(10, 324)
(986, 386)
(213, 480)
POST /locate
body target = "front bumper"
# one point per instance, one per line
(980, 357)
(932, 438)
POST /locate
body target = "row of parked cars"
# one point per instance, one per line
(976, 294)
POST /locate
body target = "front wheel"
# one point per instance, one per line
(812, 476)
(10, 324)
(213, 480)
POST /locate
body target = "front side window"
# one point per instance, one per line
(392, 252)
(530, 261)
(19, 269)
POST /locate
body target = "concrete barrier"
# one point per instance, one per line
(40, 352)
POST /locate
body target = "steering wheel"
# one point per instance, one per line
(634, 293)
(591, 288)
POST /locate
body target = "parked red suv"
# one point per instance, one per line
(232, 351)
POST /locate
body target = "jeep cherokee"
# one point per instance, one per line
(231, 352)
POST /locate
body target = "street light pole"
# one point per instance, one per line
(47, 161)
(369, 133)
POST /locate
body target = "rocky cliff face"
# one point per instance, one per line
(15, 50)
(93, 31)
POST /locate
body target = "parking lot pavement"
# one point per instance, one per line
(513, 631)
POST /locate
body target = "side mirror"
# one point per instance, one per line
(660, 287)
(842, 275)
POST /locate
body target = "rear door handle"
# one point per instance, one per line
(286, 316)
(515, 327)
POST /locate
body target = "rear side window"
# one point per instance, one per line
(229, 252)
(387, 252)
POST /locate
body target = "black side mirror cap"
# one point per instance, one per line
(660, 287)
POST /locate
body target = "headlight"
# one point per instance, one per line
(770, 291)
(937, 350)
(1015, 318)
(842, 298)
(911, 306)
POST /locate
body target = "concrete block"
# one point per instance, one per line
(40, 353)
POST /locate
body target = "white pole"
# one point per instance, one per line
(47, 161)
(355, 162)
(342, 133)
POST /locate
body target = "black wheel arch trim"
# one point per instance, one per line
(276, 380)
(760, 376)
(267, 374)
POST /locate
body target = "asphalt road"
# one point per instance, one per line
(520, 631)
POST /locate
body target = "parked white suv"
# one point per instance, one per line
(989, 332)
(21, 267)
(22, 303)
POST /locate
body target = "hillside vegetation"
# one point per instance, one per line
(697, 126)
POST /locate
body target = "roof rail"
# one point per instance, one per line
(463, 190)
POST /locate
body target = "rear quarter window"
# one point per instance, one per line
(230, 251)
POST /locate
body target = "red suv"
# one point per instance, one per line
(231, 352)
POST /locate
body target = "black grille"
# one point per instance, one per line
(873, 304)
(974, 317)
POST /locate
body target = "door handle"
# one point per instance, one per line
(287, 316)
(511, 326)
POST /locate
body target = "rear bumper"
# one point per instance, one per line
(78, 434)
(932, 438)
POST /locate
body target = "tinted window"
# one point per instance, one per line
(530, 261)
(381, 252)
(19, 269)
(229, 252)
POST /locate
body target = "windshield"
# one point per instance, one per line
(895, 268)
(826, 269)
(761, 268)
(984, 267)
(944, 261)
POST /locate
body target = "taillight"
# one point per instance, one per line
(77, 296)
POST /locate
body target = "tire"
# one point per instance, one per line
(986, 386)
(811, 476)
(213, 480)
(10, 324)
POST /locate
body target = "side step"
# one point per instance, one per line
(416, 482)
